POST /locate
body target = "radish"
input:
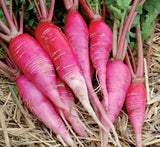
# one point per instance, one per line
(118, 75)
(67, 98)
(100, 36)
(54, 42)
(117, 86)
(31, 59)
(79, 39)
(35, 101)
(136, 96)
(42, 108)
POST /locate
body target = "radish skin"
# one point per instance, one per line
(79, 39)
(100, 36)
(36, 65)
(136, 96)
(54, 42)
(135, 102)
(118, 81)
(67, 98)
(42, 108)
(100, 47)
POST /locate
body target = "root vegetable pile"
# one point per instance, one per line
(54, 66)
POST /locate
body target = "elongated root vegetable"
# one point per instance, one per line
(31, 58)
(54, 42)
(79, 39)
(118, 75)
(42, 108)
(36, 65)
(136, 96)
(67, 98)
(34, 99)
(100, 36)
(118, 81)
(56, 45)
(135, 105)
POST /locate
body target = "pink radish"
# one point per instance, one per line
(67, 98)
(79, 39)
(42, 108)
(118, 81)
(100, 36)
(118, 77)
(31, 59)
(35, 101)
(136, 96)
(54, 42)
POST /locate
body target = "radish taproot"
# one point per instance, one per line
(42, 108)
(31, 59)
(39, 105)
(118, 76)
(79, 39)
(100, 36)
(135, 102)
(67, 98)
(56, 45)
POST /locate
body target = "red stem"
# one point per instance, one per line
(7, 59)
(8, 17)
(4, 46)
(140, 64)
(132, 58)
(128, 63)
(87, 9)
(149, 50)
(14, 20)
(51, 10)
(115, 32)
(4, 28)
(38, 13)
(124, 50)
(75, 5)
(104, 11)
(6, 38)
(120, 51)
(43, 10)
(134, 15)
(7, 69)
(21, 20)
(31, 32)
(68, 4)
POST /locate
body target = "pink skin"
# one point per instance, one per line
(42, 108)
(67, 98)
(136, 96)
(100, 47)
(117, 86)
(78, 37)
(135, 105)
(101, 37)
(54, 42)
(36, 65)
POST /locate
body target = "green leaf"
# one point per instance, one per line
(23, 2)
(128, 38)
(116, 12)
(15, 89)
(124, 4)
(31, 6)
(1, 49)
(133, 35)
(31, 22)
(136, 21)
(152, 10)
(139, 8)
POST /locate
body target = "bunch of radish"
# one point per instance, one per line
(53, 67)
